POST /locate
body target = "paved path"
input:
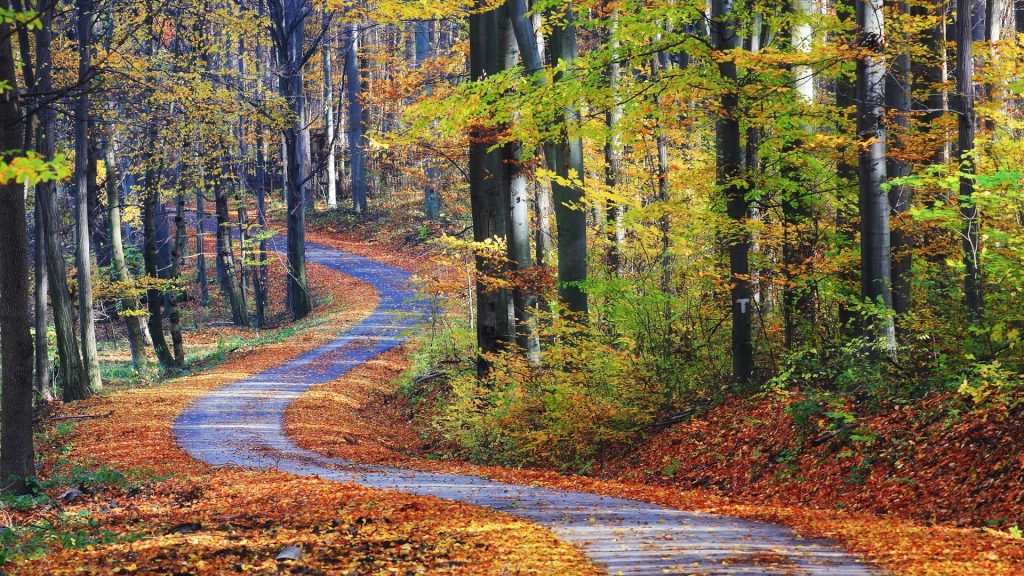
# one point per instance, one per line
(241, 424)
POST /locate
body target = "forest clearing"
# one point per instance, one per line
(545, 287)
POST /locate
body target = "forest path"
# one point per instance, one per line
(242, 424)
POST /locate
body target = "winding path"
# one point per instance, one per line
(242, 424)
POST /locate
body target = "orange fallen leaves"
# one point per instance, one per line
(368, 423)
(189, 518)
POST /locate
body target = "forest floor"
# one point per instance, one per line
(362, 417)
(146, 507)
(118, 495)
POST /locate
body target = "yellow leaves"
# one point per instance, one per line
(32, 169)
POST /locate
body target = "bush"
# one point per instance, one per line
(586, 398)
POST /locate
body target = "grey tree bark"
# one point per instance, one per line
(129, 304)
(221, 192)
(154, 297)
(487, 179)
(356, 146)
(875, 257)
(328, 105)
(898, 99)
(970, 28)
(42, 379)
(288, 25)
(17, 457)
(729, 169)
(69, 356)
(83, 254)
(566, 161)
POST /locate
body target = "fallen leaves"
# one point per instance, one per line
(181, 516)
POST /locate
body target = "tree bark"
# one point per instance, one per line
(729, 155)
(154, 297)
(129, 304)
(69, 356)
(875, 256)
(566, 161)
(42, 379)
(353, 90)
(328, 105)
(968, 30)
(17, 457)
(83, 255)
(487, 178)
(288, 27)
(239, 315)
(898, 100)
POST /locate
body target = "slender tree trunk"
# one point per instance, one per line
(83, 256)
(431, 198)
(174, 273)
(43, 381)
(353, 90)
(729, 156)
(201, 275)
(17, 457)
(616, 232)
(566, 161)
(967, 32)
(154, 297)
(74, 386)
(332, 162)
(898, 100)
(518, 229)
(875, 257)
(486, 180)
(289, 17)
(239, 315)
(129, 304)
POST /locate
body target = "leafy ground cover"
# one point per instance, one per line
(118, 496)
(362, 417)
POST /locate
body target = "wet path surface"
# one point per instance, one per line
(242, 424)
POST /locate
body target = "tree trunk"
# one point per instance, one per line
(353, 89)
(42, 380)
(967, 32)
(332, 162)
(616, 233)
(83, 256)
(898, 100)
(486, 181)
(729, 155)
(201, 275)
(875, 258)
(129, 304)
(289, 18)
(517, 205)
(17, 457)
(69, 356)
(566, 161)
(239, 315)
(174, 272)
(154, 297)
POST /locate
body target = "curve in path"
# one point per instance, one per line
(242, 424)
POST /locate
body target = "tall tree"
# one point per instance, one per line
(129, 303)
(565, 158)
(356, 145)
(898, 99)
(328, 106)
(486, 181)
(83, 254)
(71, 370)
(875, 257)
(17, 457)
(288, 29)
(970, 28)
(729, 177)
